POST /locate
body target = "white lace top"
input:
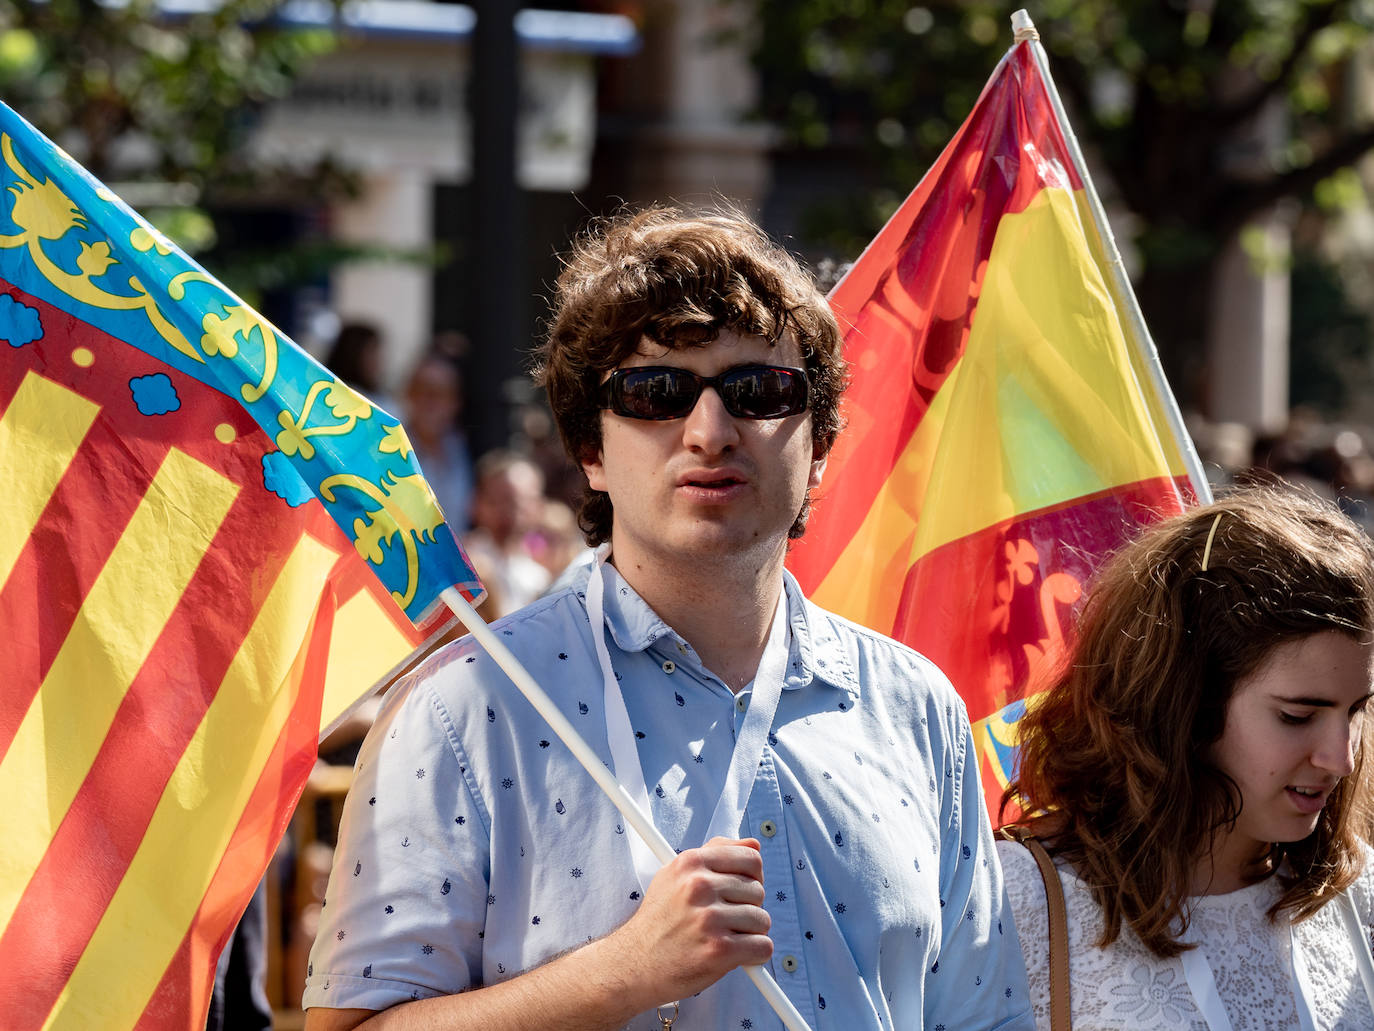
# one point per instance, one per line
(1125, 986)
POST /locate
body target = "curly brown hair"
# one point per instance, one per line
(1114, 769)
(679, 280)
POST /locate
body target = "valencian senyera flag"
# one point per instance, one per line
(209, 549)
(1005, 431)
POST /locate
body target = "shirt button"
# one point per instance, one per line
(682, 649)
(669, 666)
(741, 703)
(789, 963)
(768, 828)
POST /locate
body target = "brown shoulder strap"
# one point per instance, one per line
(1059, 926)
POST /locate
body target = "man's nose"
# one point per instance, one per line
(708, 426)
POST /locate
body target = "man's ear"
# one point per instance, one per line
(594, 471)
(817, 470)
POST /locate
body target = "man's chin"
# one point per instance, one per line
(713, 540)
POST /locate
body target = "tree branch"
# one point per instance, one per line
(1228, 115)
(1245, 201)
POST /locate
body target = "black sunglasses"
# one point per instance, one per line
(667, 392)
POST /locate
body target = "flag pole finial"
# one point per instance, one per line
(1022, 27)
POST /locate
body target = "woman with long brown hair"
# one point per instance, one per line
(1195, 771)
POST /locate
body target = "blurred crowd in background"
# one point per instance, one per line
(514, 507)
(514, 510)
(1333, 460)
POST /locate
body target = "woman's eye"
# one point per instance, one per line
(1293, 718)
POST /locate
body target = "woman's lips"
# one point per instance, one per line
(1308, 803)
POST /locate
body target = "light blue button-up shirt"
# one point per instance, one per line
(473, 847)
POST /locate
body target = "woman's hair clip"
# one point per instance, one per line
(1207, 550)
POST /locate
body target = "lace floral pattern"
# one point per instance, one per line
(1127, 987)
(1153, 996)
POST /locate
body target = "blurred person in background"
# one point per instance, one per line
(238, 1001)
(433, 405)
(563, 479)
(507, 509)
(557, 542)
(357, 356)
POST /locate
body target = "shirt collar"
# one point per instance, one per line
(817, 652)
(814, 650)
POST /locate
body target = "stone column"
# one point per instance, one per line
(693, 89)
(1247, 332)
(1247, 339)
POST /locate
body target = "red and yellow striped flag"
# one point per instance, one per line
(185, 604)
(1005, 428)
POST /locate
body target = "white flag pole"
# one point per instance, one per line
(636, 817)
(1023, 29)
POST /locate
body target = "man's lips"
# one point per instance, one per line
(711, 478)
(712, 485)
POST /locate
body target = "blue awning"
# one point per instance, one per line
(611, 35)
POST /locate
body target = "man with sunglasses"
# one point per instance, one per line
(818, 780)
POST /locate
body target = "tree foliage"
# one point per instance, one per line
(165, 93)
(1202, 113)
(134, 91)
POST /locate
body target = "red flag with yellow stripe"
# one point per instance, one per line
(1006, 428)
(209, 549)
